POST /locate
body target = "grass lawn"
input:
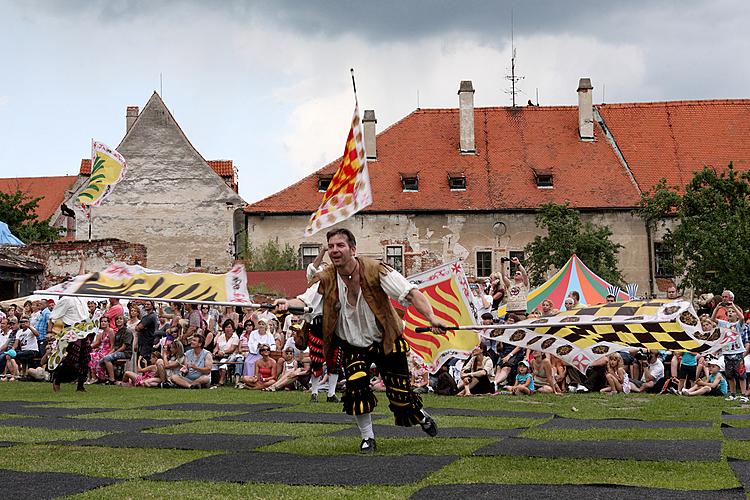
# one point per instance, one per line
(41, 449)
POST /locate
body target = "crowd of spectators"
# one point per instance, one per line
(143, 344)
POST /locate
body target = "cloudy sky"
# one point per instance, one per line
(267, 84)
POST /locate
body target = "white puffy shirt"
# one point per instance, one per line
(356, 324)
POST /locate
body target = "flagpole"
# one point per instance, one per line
(354, 84)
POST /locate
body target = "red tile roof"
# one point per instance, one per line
(673, 140)
(287, 283)
(224, 168)
(512, 144)
(50, 189)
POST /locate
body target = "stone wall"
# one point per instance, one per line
(62, 259)
(429, 240)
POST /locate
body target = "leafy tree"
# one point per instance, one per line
(709, 230)
(566, 235)
(18, 210)
(270, 256)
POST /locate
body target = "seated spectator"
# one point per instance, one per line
(26, 345)
(524, 385)
(652, 379)
(264, 370)
(122, 349)
(544, 374)
(145, 376)
(560, 371)
(196, 371)
(445, 384)
(475, 374)
(548, 309)
(713, 385)
(288, 370)
(171, 360)
(418, 374)
(8, 330)
(616, 376)
(225, 348)
(40, 372)
(101, 346)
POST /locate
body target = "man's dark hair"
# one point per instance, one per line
(610, 295)
(343, 232)
(487, 316)
(575, 295)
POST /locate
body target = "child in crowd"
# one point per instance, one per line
(714, 385)
(145, 376)
(524, 381)
(617, 378)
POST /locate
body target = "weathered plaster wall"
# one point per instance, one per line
(429, 240)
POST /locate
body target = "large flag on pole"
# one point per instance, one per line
(124, 281)
(108, 167)
(349, 190)
(447, 289)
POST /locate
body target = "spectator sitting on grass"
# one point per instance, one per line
(510, 356)
(544, 374)
(123, 349)
(196, 371)
(265, 369)
(420, 381)
(171, 360)
(617, 378)
(524, 381)
(475, 374)
(40, 372)
(713, 385)
(288, 370)
(145, 376)
(653, 374)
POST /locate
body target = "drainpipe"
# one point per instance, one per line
(650, 261)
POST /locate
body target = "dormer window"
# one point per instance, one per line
(323, 182)
(457, 181)
(543, 179)
(410, 182)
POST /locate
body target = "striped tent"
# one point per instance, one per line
(574, 275)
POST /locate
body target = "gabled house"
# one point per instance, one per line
(466, 182)
(184, 209)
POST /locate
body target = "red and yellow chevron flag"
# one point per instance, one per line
(448, 291)
(349, 190)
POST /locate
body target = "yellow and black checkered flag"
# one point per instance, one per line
(581, 336)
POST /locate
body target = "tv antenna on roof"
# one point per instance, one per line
(512, 77)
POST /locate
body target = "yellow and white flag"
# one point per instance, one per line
(108, 167)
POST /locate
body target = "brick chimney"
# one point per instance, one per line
(131, 114)
(371, 147)
(585, 109)
(466, 117)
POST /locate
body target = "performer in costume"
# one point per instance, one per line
(353, 297)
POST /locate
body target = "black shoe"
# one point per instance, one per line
(429, 425)
(368, 446)
(314, 397)
(333, 399)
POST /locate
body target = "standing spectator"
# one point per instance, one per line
(196, 372)
(569, 303)
(146, 329)
(114, 310)
(518, 290)
(672, 293)
(576, 299)
(225, 350)
(734, 354)
(548, 308)
(496, 290)
(8, 330)
(721, 311)
(195, 320)
(42, 321)
(122, 349)
(482, 301)
(688, 370)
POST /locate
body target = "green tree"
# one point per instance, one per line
(270, 256)
(566, 235)
(18, 210)
(707, 228)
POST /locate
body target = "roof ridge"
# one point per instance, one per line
(688, 102)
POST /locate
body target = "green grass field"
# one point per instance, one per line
(39, 449)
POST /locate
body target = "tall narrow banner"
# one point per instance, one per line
(581, 336)
(447, 289)
(135, 282)
(349, 190)
(108, 167)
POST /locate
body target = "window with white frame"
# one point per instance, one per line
(308, 254)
